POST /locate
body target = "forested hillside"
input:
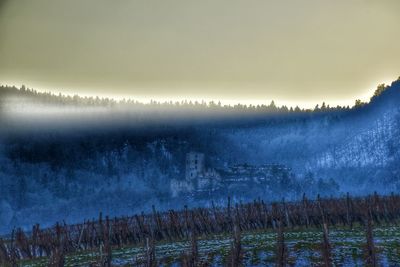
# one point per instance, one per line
(56, 164)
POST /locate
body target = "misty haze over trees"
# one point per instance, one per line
(76, 100)
(125, 162)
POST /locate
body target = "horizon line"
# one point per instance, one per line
(305, 105)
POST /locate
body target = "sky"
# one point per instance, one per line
(248, 51)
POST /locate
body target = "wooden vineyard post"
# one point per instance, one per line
(305, 210)
(281, 250)
(13, 252)
(187, 221)
(57, 258)
(286, 212)
(4, 257)
(22, 242)
(150, 253)
(191, 259)
(326, 246)
(229, 213)
(349, 216)
(236, 253)
(370, 250)
(194, 250)
(106, 262)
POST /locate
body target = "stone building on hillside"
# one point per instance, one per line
(198, 177)
(195, 165)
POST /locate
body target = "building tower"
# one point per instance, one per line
(195, 165)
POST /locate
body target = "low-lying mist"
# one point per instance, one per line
(69, 158)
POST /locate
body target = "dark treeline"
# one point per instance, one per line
(105, 234)
(76, 100)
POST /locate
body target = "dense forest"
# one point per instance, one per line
(68, 158)
(76, 100)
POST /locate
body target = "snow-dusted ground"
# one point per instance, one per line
(304, 249)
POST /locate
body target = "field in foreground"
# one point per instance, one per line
(259, 249)
(343, 231)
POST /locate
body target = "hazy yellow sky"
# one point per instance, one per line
(236, 51)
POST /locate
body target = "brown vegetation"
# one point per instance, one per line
(188, 224)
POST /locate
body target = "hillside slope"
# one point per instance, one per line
(71, 173)
(361, 142)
